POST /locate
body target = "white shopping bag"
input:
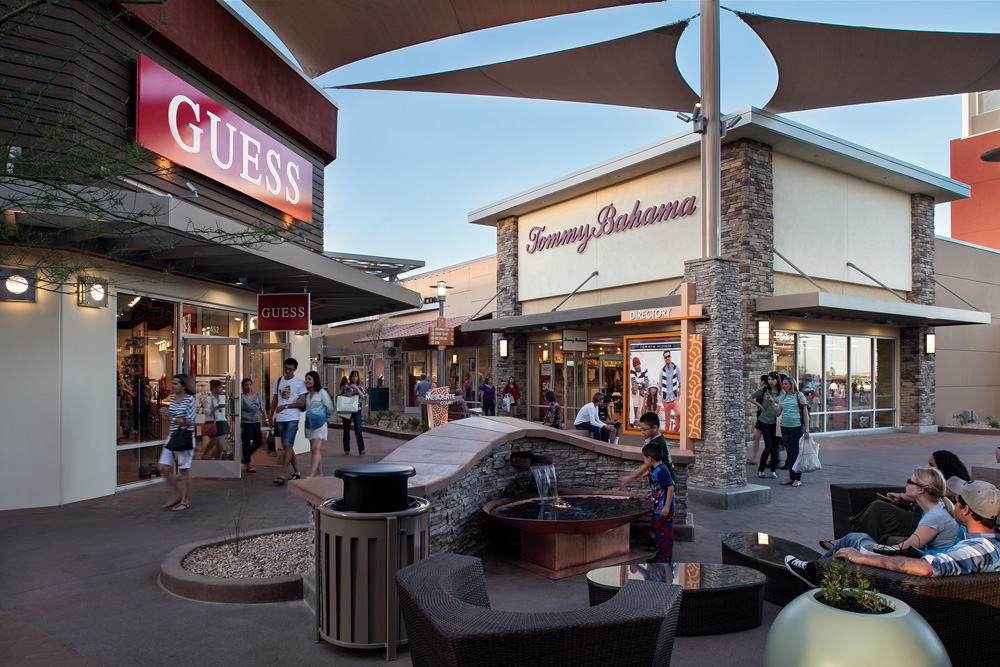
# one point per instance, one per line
(808, 460)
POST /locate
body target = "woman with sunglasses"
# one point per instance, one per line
(768, 398)
(935, 532)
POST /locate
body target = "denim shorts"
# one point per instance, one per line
(286, 431)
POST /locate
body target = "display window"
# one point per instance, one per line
(849, 381)
(146, 342)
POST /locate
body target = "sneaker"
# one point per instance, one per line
(272, 454)
(774, 475)
(762, 475)
(797, 483)
(802, 569)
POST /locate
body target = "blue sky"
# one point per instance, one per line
(411, 166)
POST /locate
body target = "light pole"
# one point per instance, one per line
(442, 289)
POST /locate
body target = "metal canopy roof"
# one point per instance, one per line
(582, 317)
(825, 305)
(176, 237)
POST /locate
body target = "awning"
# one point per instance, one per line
(825, 305)
(419, 329)
(325, 34)
(822, 65)
(591, 316)
(634, 71)
(176, 237)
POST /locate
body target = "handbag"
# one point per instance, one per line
(347, 404)
(209, 429)
(180, 440)
(808, 460)
(315, 418)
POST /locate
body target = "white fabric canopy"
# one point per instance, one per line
(821, 65)
(326, 34)
(635, 71)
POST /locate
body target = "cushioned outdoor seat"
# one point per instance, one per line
(847, 500)
(449, 623)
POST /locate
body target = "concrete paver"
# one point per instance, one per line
(83, 576)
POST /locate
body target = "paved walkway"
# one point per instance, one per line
(78, 582)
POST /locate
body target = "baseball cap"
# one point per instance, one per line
(982, 497)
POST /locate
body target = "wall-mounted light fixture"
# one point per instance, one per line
(545, 353)
(18, 285)
(503, 348)
(930, 343)
(91, 292)
(763, 333)
(454, 358)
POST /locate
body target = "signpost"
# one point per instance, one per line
(441, 335)
(283, 312)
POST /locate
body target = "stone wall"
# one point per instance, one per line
(508, 305)
(720, 453)
(748, 236)
(916, 367)
(458, 523)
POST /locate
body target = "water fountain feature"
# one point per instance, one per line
(562, 535)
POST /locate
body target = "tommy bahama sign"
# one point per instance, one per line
(609, 221)
(186, 126)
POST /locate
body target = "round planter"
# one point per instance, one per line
(808, 633)
(187, 584)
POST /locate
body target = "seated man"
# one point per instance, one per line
(976, 507)
(587, 419)
(554, 414)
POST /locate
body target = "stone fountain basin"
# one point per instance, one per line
(637, 508)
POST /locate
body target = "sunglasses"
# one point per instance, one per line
(919, 486)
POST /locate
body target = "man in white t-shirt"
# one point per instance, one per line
(287, 400)
(587, 419)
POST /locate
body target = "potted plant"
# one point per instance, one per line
(846, 622)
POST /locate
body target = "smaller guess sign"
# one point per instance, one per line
(283, 312)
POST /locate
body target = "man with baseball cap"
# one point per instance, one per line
(977, 505)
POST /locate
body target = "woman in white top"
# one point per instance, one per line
(215, 412)
(353, 388)
(319, 407)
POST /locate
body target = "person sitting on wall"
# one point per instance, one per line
(554, 415)
(976, 507)
(587, 419)
(605, 412)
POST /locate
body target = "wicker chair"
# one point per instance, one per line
(449, 622)
(849, 500)
(962, 609)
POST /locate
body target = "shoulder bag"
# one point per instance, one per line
(180, 440)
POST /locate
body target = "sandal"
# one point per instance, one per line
(787, 482)
(361, 453)
(278, 480)
(171, 504)
(295, 476)
(250, 469)
(827, 544)
(180, 507)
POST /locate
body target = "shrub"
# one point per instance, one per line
(838, 579)
(993, 422)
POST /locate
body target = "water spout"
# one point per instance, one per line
(545, 479)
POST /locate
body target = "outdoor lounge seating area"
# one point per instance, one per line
(449, 622)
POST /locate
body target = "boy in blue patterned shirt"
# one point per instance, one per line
(661, 493)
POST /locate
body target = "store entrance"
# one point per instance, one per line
(214, 365)
(413, 372)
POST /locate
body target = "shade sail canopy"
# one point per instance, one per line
(326, 34)
(635, 71)
(825, 305)
(821, 65)
(419, 329)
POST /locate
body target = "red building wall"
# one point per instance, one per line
(977, 219)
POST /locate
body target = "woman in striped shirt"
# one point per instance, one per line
(182, 413)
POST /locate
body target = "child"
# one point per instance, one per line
(649, 425)
(661, 492)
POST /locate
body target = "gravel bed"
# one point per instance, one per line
(274, 555)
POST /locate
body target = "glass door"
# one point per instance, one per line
(214, 364)
(412, 376)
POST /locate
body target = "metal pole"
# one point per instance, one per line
(711, 138)
(440, 347)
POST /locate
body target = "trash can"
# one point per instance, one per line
(362, 539)
(378, 398)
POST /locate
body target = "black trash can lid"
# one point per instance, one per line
(375, 470)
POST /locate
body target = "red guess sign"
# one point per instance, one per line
(283, 312)
(184, 125)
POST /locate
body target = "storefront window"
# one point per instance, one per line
(205, 321)
(836, 375)
(146, 347)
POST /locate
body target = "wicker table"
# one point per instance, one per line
(766, 553)
(717, 598)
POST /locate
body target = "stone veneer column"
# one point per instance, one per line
(916, 367)
(748, 236)
(508, 305)
(719, 457)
